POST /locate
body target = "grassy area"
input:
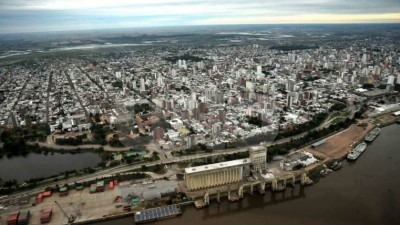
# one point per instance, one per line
(183, 165)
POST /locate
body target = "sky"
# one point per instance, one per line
(62, 15)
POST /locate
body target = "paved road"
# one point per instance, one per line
(75, 92)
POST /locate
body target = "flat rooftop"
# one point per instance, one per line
(216, 166)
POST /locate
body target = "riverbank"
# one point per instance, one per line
(81, 203)
(81, 147)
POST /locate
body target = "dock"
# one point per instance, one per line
(199, 204)
(149, 215)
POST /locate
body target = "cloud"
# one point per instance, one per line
(86, 14)
(304, 18)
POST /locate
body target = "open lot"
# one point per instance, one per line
(339, 144)
(81, 204)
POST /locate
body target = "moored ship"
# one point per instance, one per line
(357, 151)
(372, 135)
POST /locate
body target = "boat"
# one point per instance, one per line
(372, 135)
(336, 166)
(150, 215)
(357, 151)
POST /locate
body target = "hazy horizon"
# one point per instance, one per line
(225, 26)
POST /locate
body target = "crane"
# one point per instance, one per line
(70, 218)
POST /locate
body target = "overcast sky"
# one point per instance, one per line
(54, 15)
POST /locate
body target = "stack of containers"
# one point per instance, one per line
(39, 198)
(23, 218)
(100, 186)
(13, 218)
(45, 216)
(92, 188)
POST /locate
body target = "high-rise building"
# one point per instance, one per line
(219, 97)
(203, 107)
(390, 80)
(222, 115)
(216, 128)
(258, 157)
(194, 96)
(118, 75)
(265, 88)
(289, 100)
(191, 140)
(134, 86)
(259, 69)
(142, 85)
(160, 81)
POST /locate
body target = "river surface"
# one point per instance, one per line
(363, 193)
(36, 165)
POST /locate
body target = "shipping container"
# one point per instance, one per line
(92, 188)
(100, 184)
(45, 216)
(63, 189)
(47, 194)
(13, 218)
(111, 185)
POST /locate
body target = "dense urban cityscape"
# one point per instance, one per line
(130, 126)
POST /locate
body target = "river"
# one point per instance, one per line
(36, 165)
(366, 192)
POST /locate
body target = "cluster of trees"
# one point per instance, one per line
(117, 84)
(313, 135)
(115, 142)
(315, 122)
(132, 158)
(158, 168)
(138, 108)
(15, 139)
(337, 107)
(254, 120)
(360, 112)
(368, 86)
(195, 149)
(186, 56)
(293, 47)
(99, 133)
(78, 140)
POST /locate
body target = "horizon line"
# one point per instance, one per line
(199, 25)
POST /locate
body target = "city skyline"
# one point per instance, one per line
(44, 15)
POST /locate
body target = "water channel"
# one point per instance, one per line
(36, 165)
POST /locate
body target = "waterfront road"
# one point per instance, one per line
(127, 168)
